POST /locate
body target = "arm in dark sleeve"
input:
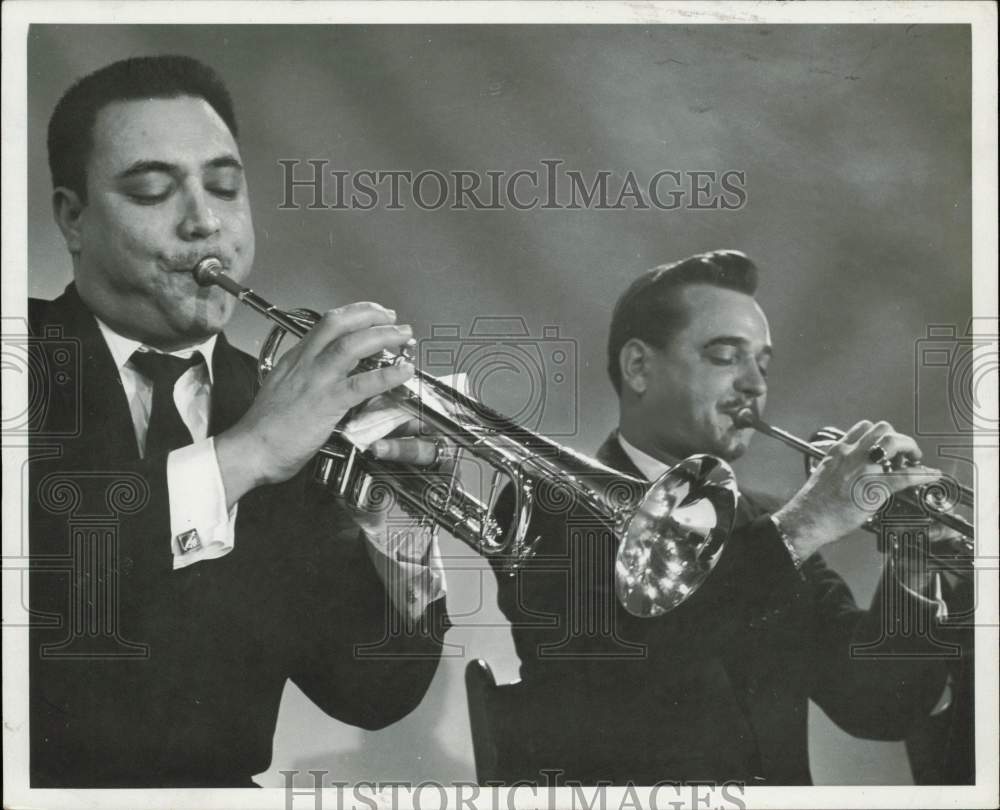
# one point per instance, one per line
(129, 499)
(879, 670)
(100, 561)
(355, 655)
(566, 592)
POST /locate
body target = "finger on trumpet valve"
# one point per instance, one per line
(406, 351)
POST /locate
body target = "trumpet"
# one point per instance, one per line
(670, 533)
(932, 502)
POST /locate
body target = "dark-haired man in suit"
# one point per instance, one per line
(182, 570)
(716, 689)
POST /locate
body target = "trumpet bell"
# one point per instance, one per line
(675, 536)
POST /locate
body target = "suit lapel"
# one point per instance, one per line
(104, 411)
(233, 387)
(104, 407)
(612, 454)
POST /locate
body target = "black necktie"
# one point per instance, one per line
(167, 430)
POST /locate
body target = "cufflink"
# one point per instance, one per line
(189, 541)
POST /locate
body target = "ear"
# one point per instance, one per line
(633, 362)
(68, 208)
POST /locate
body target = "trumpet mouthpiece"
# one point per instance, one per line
(207, 271)
(745, 418)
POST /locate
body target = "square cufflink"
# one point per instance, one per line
(189, 541)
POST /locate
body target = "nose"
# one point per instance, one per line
(199, 220)
(751, 381)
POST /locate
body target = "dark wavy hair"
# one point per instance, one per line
(71, 127)
(651, 309)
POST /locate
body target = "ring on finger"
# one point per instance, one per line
(877, 455)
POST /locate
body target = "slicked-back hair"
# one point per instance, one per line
(71, 127)
(651, 309)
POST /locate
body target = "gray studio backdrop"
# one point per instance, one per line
(855, 144)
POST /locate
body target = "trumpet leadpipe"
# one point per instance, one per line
(210, 271)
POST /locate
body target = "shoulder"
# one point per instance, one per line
(230, 353)
(235, 370)
(611, 454)
(51, 323)
(42, 312)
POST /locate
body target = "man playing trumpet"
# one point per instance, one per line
(162, 647)
(716, 689)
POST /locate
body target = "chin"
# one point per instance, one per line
(211, 313)
(735, 452)
(731, 449)
(198, 326)
(738, 448)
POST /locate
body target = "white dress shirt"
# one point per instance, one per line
(201, 528)
(651, 468)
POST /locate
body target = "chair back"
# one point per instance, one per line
(490, 708)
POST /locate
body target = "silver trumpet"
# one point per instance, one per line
(933, 502)
(670, 533)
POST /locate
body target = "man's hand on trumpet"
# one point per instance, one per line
(309, 391)
(410, 542)
(856, 478)
(410, 443)
(414, 444)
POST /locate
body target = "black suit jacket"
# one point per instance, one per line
(716, 689)
(143, 676)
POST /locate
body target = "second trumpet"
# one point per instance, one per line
(935, 501)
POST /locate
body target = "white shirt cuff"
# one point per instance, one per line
(201, 528)
(398, 554)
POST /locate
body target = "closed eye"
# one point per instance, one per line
(149, 199)
(225, 193)
(722, 358)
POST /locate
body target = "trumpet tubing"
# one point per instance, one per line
(671, 532)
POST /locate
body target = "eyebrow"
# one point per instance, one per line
(145, 166)
(739, 342)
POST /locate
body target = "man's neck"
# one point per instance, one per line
(122, 347)
(639, 441)
(161, 344)
(652, 467)
(166, 344)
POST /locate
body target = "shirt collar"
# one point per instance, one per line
(651, 468)
(122, 348)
